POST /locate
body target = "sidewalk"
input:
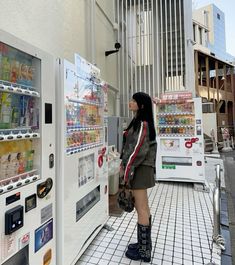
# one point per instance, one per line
(181, 230)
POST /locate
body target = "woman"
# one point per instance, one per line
(138, 162)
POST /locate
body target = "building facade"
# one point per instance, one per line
(209, 31)
(157, 54)
(214, 72)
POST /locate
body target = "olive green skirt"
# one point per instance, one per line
(143, 178)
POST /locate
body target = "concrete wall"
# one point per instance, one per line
(65, 27)
(209, 122)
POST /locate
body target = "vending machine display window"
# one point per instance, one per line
(19, 117)
(84, 111)
(86, 170)
(177, 161)
(86, 203)
(21, 257)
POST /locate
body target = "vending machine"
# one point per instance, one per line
(27, 153)
(82, 187)
(180, 151)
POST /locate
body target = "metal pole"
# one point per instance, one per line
(216, 211)
(217, 237)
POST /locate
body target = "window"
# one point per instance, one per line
(218, 16)
(194, 32)
(200, 35)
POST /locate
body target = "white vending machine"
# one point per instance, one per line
(82, 190)
(180, 151)
(27, 154)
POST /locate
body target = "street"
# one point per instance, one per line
(229, 164)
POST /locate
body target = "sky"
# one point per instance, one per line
(228, 7)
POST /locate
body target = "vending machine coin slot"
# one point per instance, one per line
(48, 113)
(44, 188)
(13, 198)
(51, 160)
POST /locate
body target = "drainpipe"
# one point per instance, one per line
(92, 34)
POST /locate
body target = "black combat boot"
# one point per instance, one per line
(143, 251)
(136, 245)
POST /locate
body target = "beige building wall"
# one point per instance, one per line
(65, 27)
(199, 15)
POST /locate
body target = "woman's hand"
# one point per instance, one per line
(121, 170)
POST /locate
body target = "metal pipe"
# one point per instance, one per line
(162, 50)
(166, 46)
(144, 45)
(136, 58)
(217, 237)
(171, 50)
(181, 44)
(127, 61)
(216, 212)
(123, 68)
(148, 48)
(152, 53)
(140, 49)
(93, 41)
(218, 176)
(118, 60)
(131, 39)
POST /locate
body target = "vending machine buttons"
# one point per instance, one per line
(10, 187)
(14, 219)
(199, 163)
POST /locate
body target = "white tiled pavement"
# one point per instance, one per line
(181, 231)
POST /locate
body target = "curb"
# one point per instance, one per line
(226, 255)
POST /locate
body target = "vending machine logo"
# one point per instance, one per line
(189, 143)
(24, 240)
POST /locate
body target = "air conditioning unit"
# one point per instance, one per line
(207, 107)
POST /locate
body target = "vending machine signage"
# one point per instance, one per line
(180, 155)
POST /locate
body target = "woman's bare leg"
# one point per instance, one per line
(141, 206)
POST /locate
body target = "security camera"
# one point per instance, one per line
(117, 45)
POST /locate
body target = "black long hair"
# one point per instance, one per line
(144, 113)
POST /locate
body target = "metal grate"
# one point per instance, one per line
(152, 58)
